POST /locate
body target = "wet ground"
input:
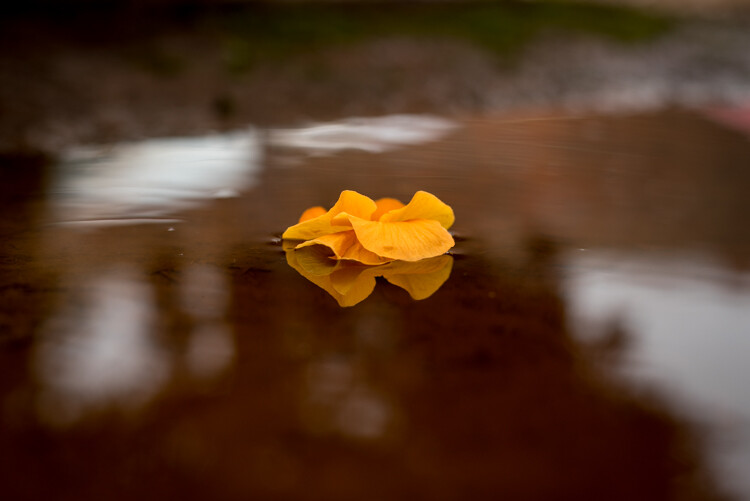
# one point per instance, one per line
(585, 339)
(588, 343)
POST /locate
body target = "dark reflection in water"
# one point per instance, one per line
(188, 359)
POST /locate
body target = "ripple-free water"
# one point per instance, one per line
(588, 343)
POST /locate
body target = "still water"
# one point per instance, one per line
(587, 338)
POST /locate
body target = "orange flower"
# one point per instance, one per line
(371, 232)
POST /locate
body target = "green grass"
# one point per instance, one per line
(270, 32)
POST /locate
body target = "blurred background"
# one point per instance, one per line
(589, 343)
(78, 71)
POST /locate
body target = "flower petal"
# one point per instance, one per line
(349, 202)
(423, 205)
(422, 278)
(405, 240)
(355, 204)
(313, 228)
(345, 245)
(311, 213)
(385, 205)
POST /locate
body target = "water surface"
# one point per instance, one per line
(587, 345)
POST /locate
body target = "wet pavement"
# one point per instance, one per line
(587, 344)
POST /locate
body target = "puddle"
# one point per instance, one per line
(100, 350)
(137, 183)
(685, 322)
(148, 179)
(584, 338)
(374, 135)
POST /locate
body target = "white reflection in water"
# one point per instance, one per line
(204, 292)
(689, 325)
(98, 352)
(155, 177)
(339, 400)
(374, 135)
(363, 414)
(204, 295)
(101, 352)
(210, 350)
(139, 182)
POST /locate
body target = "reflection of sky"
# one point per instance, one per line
(374, 135)
(99, 351)
(340, 394)
(105, 348)
(145, 181)
(688, 327)
(204, 296)
(154, 177)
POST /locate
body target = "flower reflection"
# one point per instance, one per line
(350, 282)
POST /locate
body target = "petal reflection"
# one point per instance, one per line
(420, 279)
(349, 282)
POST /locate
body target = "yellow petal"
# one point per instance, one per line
(355, 204)
(422, 278)
(406, 240)
(349, 202)
(311, 213)
(385, 205)
(422, 206)
(342, 219)
(313, 228)
(286, 245)
(344, 245)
